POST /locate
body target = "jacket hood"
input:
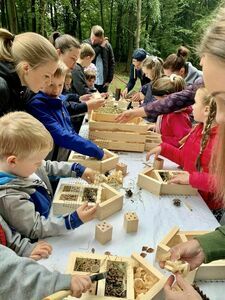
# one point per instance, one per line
(192, 74)
(7, 71)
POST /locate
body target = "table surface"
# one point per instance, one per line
(157, 215)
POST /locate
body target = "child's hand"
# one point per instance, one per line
(136, 97)
(41, 250)
(80, 284)
(95, 103)
(86, 213)
(89, 175)
(151, 127)
(125, 116)
(180, 179)
(124, 93)
(106, 155)
(157, 150)
(85, 97)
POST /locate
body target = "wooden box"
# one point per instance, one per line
(155, 181)
(101, 166)
(111, 202)
(70, 196)
(153, 139)
(106, 133)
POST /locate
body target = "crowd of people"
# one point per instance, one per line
(46, 89)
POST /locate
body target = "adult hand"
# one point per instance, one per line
(80, 284)
(183, 290)
(95, 103)
(126, 116)
(85, 97)
(124, 93)
(41, 250)
(190, 252)
(86, 213)
(89, 175)
(157, 150)
(136, 97)
(180, 179)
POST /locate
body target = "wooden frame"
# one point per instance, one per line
(105, 132)
(73, 197)
(101, 166)
(152, 181)
(153, 139)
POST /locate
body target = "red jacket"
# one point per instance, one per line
(175, 126)
(186, 157)
(2, 236)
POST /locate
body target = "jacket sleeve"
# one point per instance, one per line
(63, 169)
(73, 105)
(172, 153)
(79, 82)
(5, 97)
(63, 137)
(111, 64)
(132, 78)
(213, 244)
(21, 246)
(19, 213)
(202, 181)
(24, 278)
(173, 101)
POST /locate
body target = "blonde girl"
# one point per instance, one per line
(26, 60)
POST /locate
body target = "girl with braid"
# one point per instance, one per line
(194, 155)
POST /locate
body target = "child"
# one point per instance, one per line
(90, 76)
(22, 246)
(194, 155)
(47, 106)
(174, 126)
(25, 197)
(87, 54)
(67, 89)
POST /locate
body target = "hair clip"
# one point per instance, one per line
(173, 77)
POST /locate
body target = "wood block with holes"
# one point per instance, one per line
(121, 167)
(131, 222)
(103, 232)
(158, 163)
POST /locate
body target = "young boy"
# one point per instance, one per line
(49, 108)
(23, 278)
(22, 246)
(26, 197)
(90, 76)
(67, 89)
(87, 54)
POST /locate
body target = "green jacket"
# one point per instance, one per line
(213, 244)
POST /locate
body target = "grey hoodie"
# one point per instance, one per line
(192, 74)
(22, 201)
(24, 279)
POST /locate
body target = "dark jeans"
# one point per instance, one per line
(102, 88)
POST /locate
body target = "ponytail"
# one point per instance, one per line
(6, 40)
(175, 62)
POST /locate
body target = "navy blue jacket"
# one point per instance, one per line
(55, 117)
(134, 75)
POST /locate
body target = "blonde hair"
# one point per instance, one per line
(155, 64)
(176, 61)
(168, 85)
(86, 50)
(213, 43)
(64, 42)
(61, 70)
(207, 100)
(98, 31)
(27, 47)
(21, 135)
(68, 75)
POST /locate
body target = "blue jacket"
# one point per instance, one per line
(134, 75)
(55, 117)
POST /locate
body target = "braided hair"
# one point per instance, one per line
(206, 131)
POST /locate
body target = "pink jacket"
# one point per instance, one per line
(175, 126)
(186, 157)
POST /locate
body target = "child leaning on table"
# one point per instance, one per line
(26, 196)
(195, 154)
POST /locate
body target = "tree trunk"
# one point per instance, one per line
(138, 31)
(130, 41)
(111, 20)
(119, 32)
(12, 17)
(79, 20)
(3, 15)
(33, 16)
(101, 13)
(42, 9)
(55, 18)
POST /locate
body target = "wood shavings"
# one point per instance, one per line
(143, 282)
(114, 179)
(177, 266)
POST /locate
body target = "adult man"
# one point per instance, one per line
(104, 58)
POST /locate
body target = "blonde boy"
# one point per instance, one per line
(25, 197)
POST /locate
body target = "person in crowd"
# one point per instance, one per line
(104, 58)
(28, 60)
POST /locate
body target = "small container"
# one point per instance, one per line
(117, 94)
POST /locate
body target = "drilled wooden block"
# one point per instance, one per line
(131, 222)
(121, 167)
(103, 232)
(158, 163)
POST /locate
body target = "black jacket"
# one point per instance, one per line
(79, 80)
(134, 75)
(107, 58)
(12, 94)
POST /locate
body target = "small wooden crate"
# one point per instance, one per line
(101, 166)
(111, 202)
(105, 132)
(70, 196)
(153, 139)
(155, 182)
